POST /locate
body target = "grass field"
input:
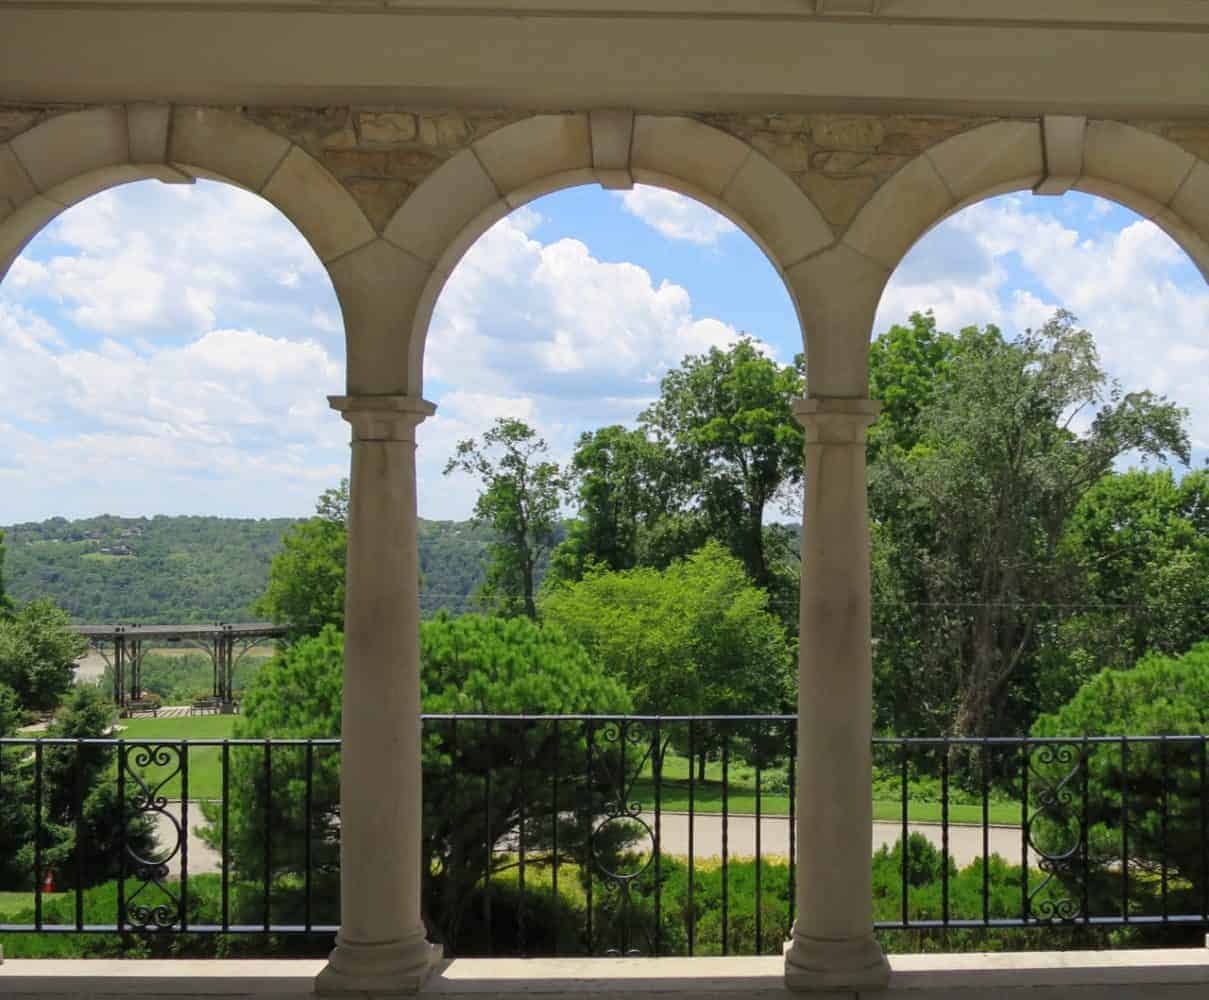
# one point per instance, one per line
(707, 797)
(205, 763)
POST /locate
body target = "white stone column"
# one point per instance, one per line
(833, 945)
(381, 947)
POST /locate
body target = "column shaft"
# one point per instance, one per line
(833, 944)
(381, 946)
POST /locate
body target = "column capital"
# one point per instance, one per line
(383, 418)
(836, 420)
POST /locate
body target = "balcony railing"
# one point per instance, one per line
(604, 835)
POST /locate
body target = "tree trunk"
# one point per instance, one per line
(758, 567)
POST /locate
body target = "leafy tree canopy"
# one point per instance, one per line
(1138, 543)
(696, 637)
(1159, 784)
(726, 417)
(520, 499)
(306, 580)
(469, 664)
(974, 511)
(624, 484)
(38, 651)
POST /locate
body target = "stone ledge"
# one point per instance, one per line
(1122, 975)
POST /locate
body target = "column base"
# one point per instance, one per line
(835, 964)
(384, 969)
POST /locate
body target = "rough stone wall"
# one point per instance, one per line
(840, 160)
(380, 155)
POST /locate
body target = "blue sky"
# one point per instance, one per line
(168, 349)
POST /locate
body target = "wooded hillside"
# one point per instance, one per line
(195, 569)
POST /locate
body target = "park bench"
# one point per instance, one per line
(201, 706)
(142, 706)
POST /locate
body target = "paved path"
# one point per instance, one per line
(965, 842)
(203, 860)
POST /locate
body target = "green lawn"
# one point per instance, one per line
(205, 763)
(12, 903)
(707, 796)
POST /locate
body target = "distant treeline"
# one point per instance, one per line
(196, 569)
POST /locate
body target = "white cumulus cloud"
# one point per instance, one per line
(676, 216)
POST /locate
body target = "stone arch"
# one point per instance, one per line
(1145, 172)
(66, 158)
(463, 198)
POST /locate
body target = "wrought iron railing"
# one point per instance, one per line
(604, 834)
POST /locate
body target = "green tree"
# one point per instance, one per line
(624, 485)
(695, 638)
(907, 366)
(521, 492)
(306, 579)
(726, 418)
(16, 802)
(471, 664)
(1139, 544)
(38, 650)
(976, 510)
(85, 822)
(1160, 696)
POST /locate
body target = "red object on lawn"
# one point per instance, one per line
(48, 883)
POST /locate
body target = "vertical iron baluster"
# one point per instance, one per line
(1024, 831)
(905, 835)
(38, 835)
(268, 834)
(725, 838)
(490, 839)
(793, 826)
(657, 761)
(986, 833)
(183, 750)
(1085, 834)
(692, 794)
(523, 803)
(307, 808)
(944, 831)
(590, 790)
(121, 893)
(1204, 769)
(79, 848)
(554, 821)
(226, 835)
(1163, 823)
(759, 862)
(1124, 829)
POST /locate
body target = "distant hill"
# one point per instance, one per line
(197, 569)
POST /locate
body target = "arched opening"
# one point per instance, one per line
(576, 317)
(1035, 498)
(165, 351)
